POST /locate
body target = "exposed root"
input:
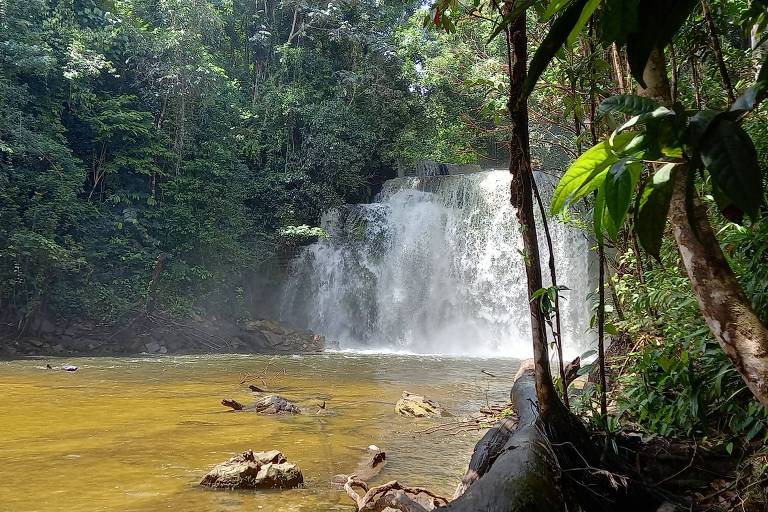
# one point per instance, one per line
(391, 495)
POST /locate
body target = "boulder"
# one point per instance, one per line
(254, 470)
(280, 337)
(417, 406)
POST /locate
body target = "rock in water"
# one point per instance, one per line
(417, 406)
(275, 405)
(254, 470)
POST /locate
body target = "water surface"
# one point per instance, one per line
(137, 434)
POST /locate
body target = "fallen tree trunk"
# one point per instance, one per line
(523, 474)
(485, 453)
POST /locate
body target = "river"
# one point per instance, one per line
(137, 434)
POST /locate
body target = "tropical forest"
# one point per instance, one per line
(384, 255)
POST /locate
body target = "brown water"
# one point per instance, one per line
(137, 434)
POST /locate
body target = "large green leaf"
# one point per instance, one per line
(587, 172)
(658, 113)
(651, 216)
(630, 104)
(598, 214)
(620, 183)
(698, 125)
(553, 41)
(658, 22)
(729, 155)
(619, 18)
(586, 13)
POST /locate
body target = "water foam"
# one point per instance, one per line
(434, 266)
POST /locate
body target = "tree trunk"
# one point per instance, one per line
(524, 474)
(722, 301)
(153, 282)
(522, 199)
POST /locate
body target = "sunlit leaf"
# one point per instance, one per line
(586, 13)
(588, 171)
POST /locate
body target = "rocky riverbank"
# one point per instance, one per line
(158, 334)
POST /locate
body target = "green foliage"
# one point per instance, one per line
(678, 381)
(195, 129)
(706, 139)
(302, 233)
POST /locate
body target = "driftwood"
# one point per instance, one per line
(513, 470)
(391, 495)
(373, 462)
(234, 404)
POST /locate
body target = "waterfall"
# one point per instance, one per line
(434, 266)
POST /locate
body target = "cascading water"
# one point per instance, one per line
(434, 266)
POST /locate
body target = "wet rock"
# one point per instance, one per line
(417, 406)
(275, 405)
(254, 470)
(283, 338)
(152, 347)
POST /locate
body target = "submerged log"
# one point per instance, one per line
(513, 470)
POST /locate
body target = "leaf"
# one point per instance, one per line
(553, 8)
(644, 118)
(652, 212)
(729, 155)
(630, 104)
(620, 182)
(698, 125)
(597, 214)
(729, 448)
(583, 176)
(553, 41)
(756, 429)
(586, 13)
(619, 18)
(611, 329)
(658, 22)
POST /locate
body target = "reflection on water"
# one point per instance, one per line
(138, 434)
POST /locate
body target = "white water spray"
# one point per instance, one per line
(434, 266)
